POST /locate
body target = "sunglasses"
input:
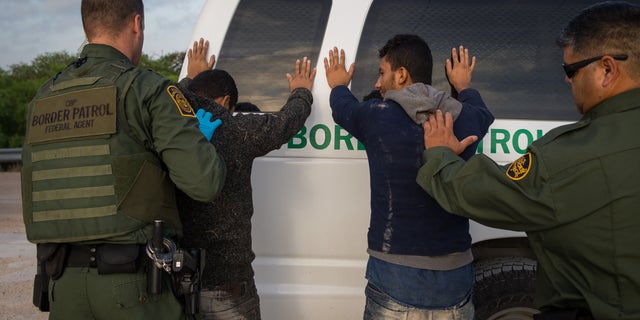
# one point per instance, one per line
(571, 69)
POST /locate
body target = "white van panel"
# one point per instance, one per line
(312, 203)
(212, 26)
(309, 236)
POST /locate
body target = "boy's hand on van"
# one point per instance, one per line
(335, 69)
(303, 75)
(197, 58)
(459, 70)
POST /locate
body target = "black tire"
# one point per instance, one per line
(504, 288)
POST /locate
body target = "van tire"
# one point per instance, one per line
(504, 288)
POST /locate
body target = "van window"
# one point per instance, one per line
(265, 38)
(518, 70)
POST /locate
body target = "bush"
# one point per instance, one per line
(20, 84)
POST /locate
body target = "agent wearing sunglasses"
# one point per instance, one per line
(576, 192)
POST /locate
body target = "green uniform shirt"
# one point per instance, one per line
(576, 192)
(113, 169)
(157, 116)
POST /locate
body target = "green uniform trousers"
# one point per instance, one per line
(82, 293)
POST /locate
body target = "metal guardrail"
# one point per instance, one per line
(10, 155)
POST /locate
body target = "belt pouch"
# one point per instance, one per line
(118, 258)
(53, 255)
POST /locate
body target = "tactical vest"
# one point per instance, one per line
(85, 177)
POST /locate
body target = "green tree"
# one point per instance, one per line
(168, 65)
(17, 88)
(20, 83)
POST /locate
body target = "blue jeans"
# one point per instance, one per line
(237, 301)
(421, 288)
(381, 306)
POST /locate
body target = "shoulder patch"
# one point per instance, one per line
(181, 102)
(520, 168)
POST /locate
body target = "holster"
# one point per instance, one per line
(564, 314)
(187, 270)
(41, 289)
(51, 258)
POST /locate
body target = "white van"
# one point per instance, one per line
(311, 197)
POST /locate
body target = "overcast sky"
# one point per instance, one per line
(29, 28)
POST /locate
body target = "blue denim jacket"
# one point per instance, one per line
(404, 218)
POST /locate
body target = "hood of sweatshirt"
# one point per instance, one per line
(419, 100)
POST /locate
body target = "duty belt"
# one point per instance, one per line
(107, 258)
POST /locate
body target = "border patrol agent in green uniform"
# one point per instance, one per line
(106, 145)
(576, 192)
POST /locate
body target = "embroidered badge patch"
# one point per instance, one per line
(181, 102)
(520, 168)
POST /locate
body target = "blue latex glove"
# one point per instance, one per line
(207, 127)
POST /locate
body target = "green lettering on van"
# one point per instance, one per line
(502, 140)
(341, 137)
(501, 137)
(320, 137)
(347, 137)
(313, 136)
(516, 140)
(298, 137)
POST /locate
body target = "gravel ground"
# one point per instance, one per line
(17, 255)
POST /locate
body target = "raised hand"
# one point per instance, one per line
(335, 69)
(197, 58)
(303, 75)
(460, 68)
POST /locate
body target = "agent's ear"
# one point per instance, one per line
(611, 70)
(138, 23)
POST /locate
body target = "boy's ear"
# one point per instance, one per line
(403, 78)
(226, 100)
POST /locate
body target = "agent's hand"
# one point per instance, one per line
(207, 127)
(303, 75)
(197, 58)
(335, 68)
(438, 131)
(459, 70)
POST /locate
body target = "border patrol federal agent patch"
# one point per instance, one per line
(81, 113)
(520, 168)
(181, 102)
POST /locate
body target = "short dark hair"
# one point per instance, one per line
(611, 27)
(411, 52)
(214, 84)
(246, 107)
(108, 16)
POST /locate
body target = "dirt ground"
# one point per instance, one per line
(17, 255)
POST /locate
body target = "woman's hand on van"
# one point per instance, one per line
(197, 58)
(303, 75)
(334, 67)
(460, 68)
